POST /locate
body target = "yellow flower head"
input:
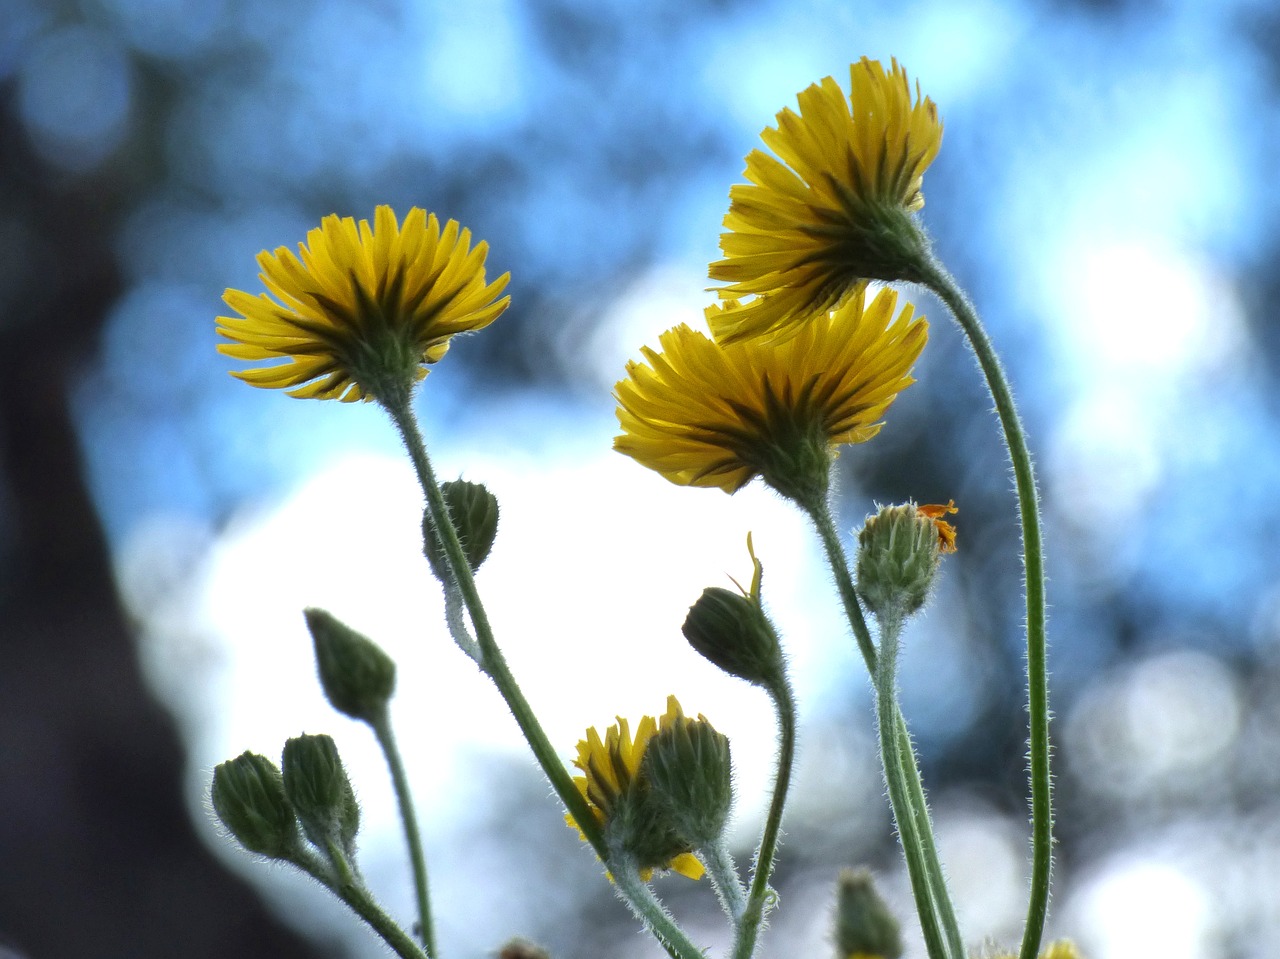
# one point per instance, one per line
(830, 210)
(612, 787)
(360, 309)
(704, 413)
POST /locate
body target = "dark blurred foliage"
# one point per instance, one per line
(233, 134)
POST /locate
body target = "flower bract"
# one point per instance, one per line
(829, 208)
(704, 413)
(616, 793)
(359, 311)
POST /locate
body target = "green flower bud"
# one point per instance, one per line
(357, 676)
(864, 925)
(249, 798)
(474, 511)
(688, 770)
(731, 630)
(317, 785)
(898, 553)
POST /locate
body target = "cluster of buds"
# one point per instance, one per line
(270, 811)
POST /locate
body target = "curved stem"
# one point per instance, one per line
(724, 875)
(936, 278)
(753, 915)
(413, 839)
(346, 887)
(892, 759)
(820, 513)
(637, 894)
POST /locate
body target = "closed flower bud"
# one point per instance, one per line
(357, 676)
(317, 786)
(249, 798)
(474, 511)
(732, 631)
(898, 553)
(688, 770)
(864, 925)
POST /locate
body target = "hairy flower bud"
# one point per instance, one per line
(474, 511)
(732, 631)
(688, 770)
(357, 676)
(316, 783)
(898, 553)
(249, 798)
(864, 925)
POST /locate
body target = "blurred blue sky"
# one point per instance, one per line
(1103, 191)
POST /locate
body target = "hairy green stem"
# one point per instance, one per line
(386, 740)
(937, 279)
(342, 882)
(724, 876)
(637, 894)
(900, 799)
(820, 513)
(753, 916)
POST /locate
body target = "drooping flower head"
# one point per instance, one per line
(360, 310)
(617, 793)
(704, 413)
(831, 209)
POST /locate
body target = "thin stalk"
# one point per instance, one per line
(494, 664)
(904, 812)
(413, 839)
(820, 513)
(937, 279)
(753, 915)
(346, 887)
(637, 894)
(724, 876)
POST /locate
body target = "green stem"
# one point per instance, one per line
(924, 831)
(637, 894)
(724, 876)
(937, 279)
(386, 739)
(346, 887)
(820, 513)
(753, 915)
(491, 659)
(904, 811)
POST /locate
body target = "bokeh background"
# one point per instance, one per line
(1105, 192)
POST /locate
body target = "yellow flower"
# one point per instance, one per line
(611, 780)
(831, 209)
(712, 414)
(359, 310)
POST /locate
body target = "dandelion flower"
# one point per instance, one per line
(831, 209)
(704, 413)
(616, 792)
(360, 310)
